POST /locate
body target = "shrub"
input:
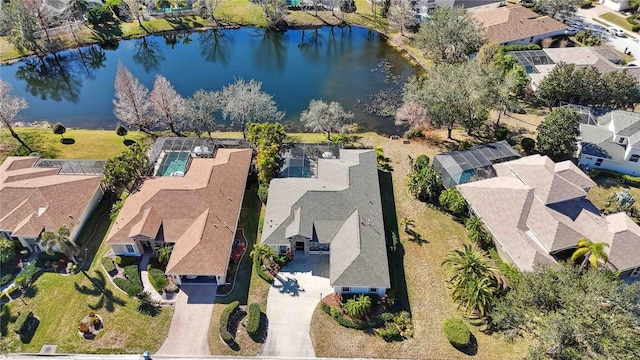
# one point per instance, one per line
(413, 133)
(389, 333)
(253, 321)
(627, 179)
(121, 131)
(95, 321)
(258, 269)
(464, 145)
(335, 312)
(173, 288)
(586, 4)
(403, 322)
(501, 133)
(421, 161)
(82, 327)
(127, 286)
(358, 307)
(226, 336)
(126, 260)
(635, 28)
(21, 321)
(457, 332)
(108, 264)
(527, 144)
(6, 278)
(59, 129)
(158, 279)
(387, 317)
(263, 192)
(92, 314)
(507, 48)
(132, 272)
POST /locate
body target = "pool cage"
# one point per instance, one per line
(476, 163)
(73, 167)
(182, 149)
(301, 160)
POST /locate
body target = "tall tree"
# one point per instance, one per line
(591, 252)
(125, 171)
(411, 114)
(43, 14)
(245, 102)
(201, 109)
(207, 9)
(167, 104)
(401, 15)
(10, 106)
(425, 184)
(136, 8)
(132, 105)
(452, 200)
(7, 249)
(474, 278)
(266, 134)
(265, 254)
(450, 36)
(60, 241)
(22, 26)
(163, 253)
(74, 9)
(559, 86)
(558, 134)
(325, 117)
(621, 89)
(557, 8)
(276, 13)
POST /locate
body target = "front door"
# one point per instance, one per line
(146, 245)
(299, 245)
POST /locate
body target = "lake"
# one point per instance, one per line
(351, 65)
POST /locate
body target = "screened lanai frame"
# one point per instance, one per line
(476, 163)
(529, 59)
(72, 166)
(301, 160)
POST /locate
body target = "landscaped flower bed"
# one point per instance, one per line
(90, 325)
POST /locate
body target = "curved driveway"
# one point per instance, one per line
(292, 298)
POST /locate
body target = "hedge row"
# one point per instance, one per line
(132, 285)
(21, 321)
(521, 47)
(126, 260)
(457, 332)
(225, 335)
(108, 264)
(337, 315)
(157, 279)
(253, 321)
(626, 179)
(6, 278)
(258, 269)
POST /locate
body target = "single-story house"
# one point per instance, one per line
(613, 143)
(424, 8)
(38, 195)
(192, 202)
(473, 164)
(338, 213)
(617, 5)
(539, 63)
(536, 211)
(60, 6)
(517, 25)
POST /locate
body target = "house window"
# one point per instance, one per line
(129, 248)
(598, 162)
(282, 249)
(621, 140)
(634, 158)
(373, 290)
(346, 289)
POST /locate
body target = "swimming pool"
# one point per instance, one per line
(173, 161)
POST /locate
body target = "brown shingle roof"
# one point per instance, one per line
(198, 212)
(37, 199)
(509, 23)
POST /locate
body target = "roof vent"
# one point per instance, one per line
(41, 210)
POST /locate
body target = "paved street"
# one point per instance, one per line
(292, 299)
(628, 43)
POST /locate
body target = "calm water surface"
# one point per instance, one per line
(350, 65)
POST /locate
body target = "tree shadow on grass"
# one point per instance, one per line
(396, 258)
(106, 299)
(30, 292)
(149, 308)
(36, 142)
(95, 230)
(68, 141)
(5, 318)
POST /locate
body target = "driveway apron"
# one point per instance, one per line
(188, 333)
(292, 298)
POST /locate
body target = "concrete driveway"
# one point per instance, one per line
(292, 299)
(188, 333)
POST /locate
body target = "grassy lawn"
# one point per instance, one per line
(427, 293)
(60, 302)
(241, 12)
(250, 288)
(606, 186)
(618, 20)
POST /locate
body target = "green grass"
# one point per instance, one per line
(617, 20)
(60, 302)
(242, 12)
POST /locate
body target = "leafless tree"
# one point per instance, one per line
(401, 14)
(167, 104)
(132, 105)
(201, 110)
(245, 102)
(546, 42)
(412, 114)
(324, 117)
(136, 8)
(10, 106)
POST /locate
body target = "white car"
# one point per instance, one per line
(571, 31)
(615, 31)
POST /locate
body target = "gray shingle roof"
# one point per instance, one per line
(341, 207)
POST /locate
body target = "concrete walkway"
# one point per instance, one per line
(189, 330)
(292, 298)
(144, 276)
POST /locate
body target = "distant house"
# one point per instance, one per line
(476, 163)
(537, 210)
(424, 8)
(59, 6)
(192, 202)
(337, 213)
(613, 143)
(517, 25)
(617, 5)
(539, 63)
(38, 195)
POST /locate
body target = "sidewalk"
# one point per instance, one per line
(144, 276)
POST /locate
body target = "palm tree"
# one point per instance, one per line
(474, 279)
(591, 251)
(61, 241)
(407, 223)
(163, 253)
(265, 254)
(358, 307)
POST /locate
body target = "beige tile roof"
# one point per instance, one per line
(509, 23)
(531, 228)
(198, 212)
(37, 199)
